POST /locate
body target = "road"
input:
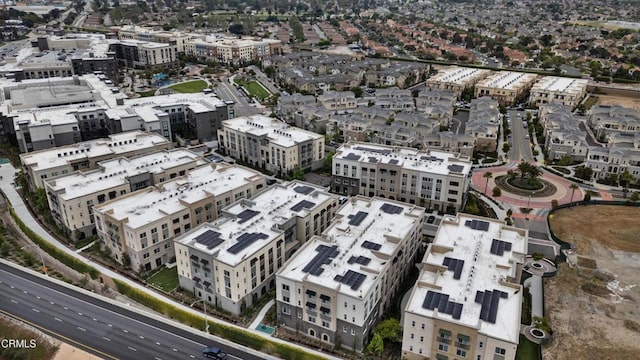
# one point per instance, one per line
(95, 325)
(264, 80)
(226, 91)
(520, 146)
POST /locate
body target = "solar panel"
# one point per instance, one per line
(324, 257)
(431, 158)
(351, 278)
(391, 209)
(434, 300)
(373, 159)
(209, 238)
(303, 189)
(246, 215)
(457, 311)
(371, 245)
(377, 151)
(490, 301)
(477, 224)
(362, 260)
(245, 240)
(357, 218)
(304, 204)
(455, 168)
(352, 156)
(393, 161)
(454, 265)
(498, 247)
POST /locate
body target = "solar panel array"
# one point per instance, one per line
(303, 189)
(455, 168)
(304, 204)
(351, 278)
(245, 240)
(391, 209)
(477, 224)
(431, 158)
(489, 301)
(394, 161)
(357, 218)
(371, 245)
(498, 247)
(441, 301)
(246, 215)
(352, 156)
(209, 238)
(324, 257)
(377, 151)
(373, 159)
(454, 265)
(362, 260)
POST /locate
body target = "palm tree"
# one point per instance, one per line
(625, 179)
(488, 175)
(573, 188)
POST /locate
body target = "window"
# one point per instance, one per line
(481, 344)
(461, 353)
(344, 328)
(353, 331)
(412, 336)
(312, 319)
(500, 351)
(286, 299)
(443, 347)
(413, 324)
(421, 338)
(325, 323)
(286, 311)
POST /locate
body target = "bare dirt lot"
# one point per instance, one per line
(618, 100)
(593, 307)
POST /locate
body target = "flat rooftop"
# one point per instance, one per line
(276, 130)
(508, 80)
(355, 250)
(197, 102)
(458, 75)
(464, 276)
(116, 172)
(114, 145)
(431, 161)
(560, 84)
(157, 202)
(257, 217)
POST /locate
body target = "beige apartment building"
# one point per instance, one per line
(339, 284)
(63, 160)
(429, 178)
(233, 50)
(456, 79)
(139, 228)
(506, 87)
(566, 91)
(72, 197)
(467, 300)
(271, 144)
(231, 262)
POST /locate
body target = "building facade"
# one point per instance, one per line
(456, 79)
(566, 91)
(506, 87)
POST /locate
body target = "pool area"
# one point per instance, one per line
(4, 161)
(266, 329)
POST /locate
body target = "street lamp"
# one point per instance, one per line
(206, 320)
(44, 266)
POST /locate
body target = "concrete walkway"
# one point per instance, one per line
(7, 172)
(261, 314)
(534, 284)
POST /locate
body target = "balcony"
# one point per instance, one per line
(444, 340)
(464, 346)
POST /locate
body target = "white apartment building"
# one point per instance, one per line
(63, 160)
(229, 50)
(507, 87)
(467, 300)
(566, 91)
(72, 197)
(432, 179)
(338, 285)
(271, 144)
(456, 79)
(139, 228)
(484, 123)
(607, 161)
(232, 261)
(606, 120)
(562, 133)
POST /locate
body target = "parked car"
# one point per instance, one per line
(214, 353)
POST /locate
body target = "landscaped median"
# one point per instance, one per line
(231, 333)
(55, 252)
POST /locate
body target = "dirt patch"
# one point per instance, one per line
(593, 307)
(617, 100)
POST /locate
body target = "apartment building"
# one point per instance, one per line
(271, 144)
(467, 300)
(456, 79)
(566, 91)
(562, 133)
(229, 50)
(432, 179)
(606, 120)
(436, 99)
(608, 161)
(139, 228)
(231, 262)
(449, 141)
(338, 285)
(72, 197)
(50, 163)
(338, 102)
(484, 123)
(506, 87)
(134, 32)
(143, 54)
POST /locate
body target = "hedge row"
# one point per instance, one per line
(234, 334)
(52, 250)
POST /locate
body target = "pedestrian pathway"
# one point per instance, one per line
(258, 320)
(606, 195)
(7, 173)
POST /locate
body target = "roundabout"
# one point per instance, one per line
(523, 187)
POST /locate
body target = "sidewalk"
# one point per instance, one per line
(7, 172)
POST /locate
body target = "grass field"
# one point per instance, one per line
(526, 350)
(147, 93)
(43, 350)
(254, 88)
(165, 279)
(190, 87)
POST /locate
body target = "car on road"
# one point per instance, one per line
(526, 136)
(431, 219)
(214, 353)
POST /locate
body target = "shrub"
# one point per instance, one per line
(497, 192)
(554, 204)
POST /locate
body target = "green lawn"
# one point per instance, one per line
(254, 88)
(147, 93)
(166, 279)
(190, 87)
(527, 350)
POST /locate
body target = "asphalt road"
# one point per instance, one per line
(520, 147)
(226, 91)
(96, 326)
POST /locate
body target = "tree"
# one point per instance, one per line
(583, 172)
(298, 174)
(625, 179)
(488, 175)
(566, 160)
(389, 329)
(376, 345)
(635, 196)
(573, 188)
(506, 147)
(497, 192)
(5, 249)
(523, 168)
(357, 90)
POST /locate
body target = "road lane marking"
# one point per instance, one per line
(25, 291)
(56, 319)
(12, 287)
(36, 310)
(13, 301)
(106, 338)
(66, 308)
(52, 303)
(191, 356)
(174, 349)
(141, 337)
(109, 325)
(132, 348)
(38, 297)
(157, 343)
(80, 313)
(81, 329)
(94, 319)
(157, 358)
(125, 330)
